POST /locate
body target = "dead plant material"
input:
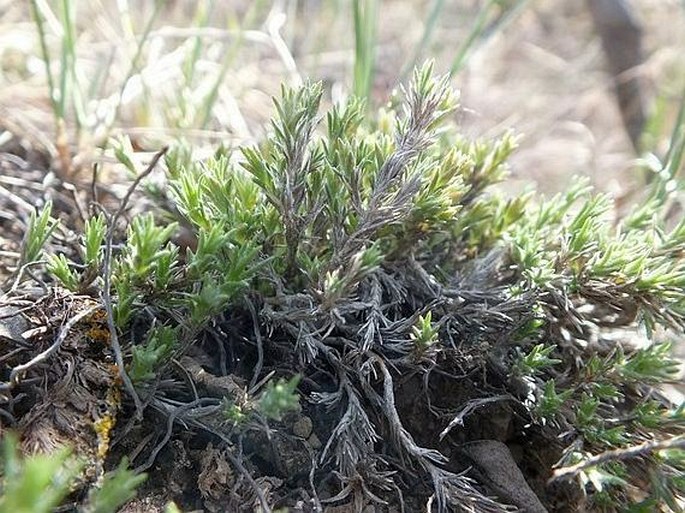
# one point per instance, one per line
(63, 388)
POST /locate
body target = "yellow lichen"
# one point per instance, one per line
(103, 427)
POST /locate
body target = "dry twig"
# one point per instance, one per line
(19, 369)
(107, 278)
(625, 453)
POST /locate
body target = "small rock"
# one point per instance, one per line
(314, 441)
(302, 427)
(12, 325)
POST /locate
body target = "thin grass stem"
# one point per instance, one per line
(365, 14)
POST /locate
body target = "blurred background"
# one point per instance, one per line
(81, 79)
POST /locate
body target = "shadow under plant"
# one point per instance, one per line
(356, 320)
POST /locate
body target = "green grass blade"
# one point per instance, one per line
(664, 179)
(69, 85)
(676, 149)
(202, 14)
(365, 20)
(481, 31)
(477, 28)
(135, 61)
(64, 67)
(205, 112)
(428, 30)
(200, 20)
(45, 54)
